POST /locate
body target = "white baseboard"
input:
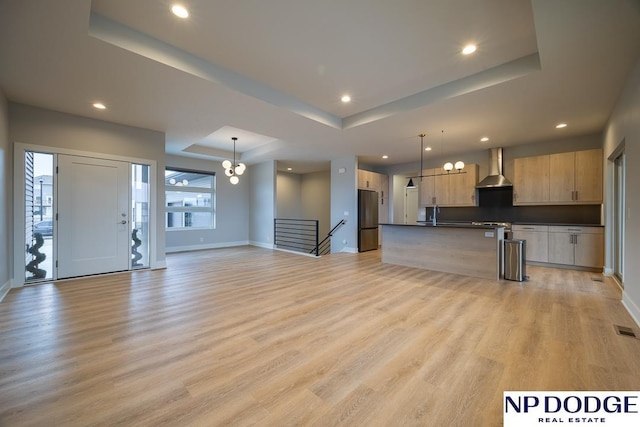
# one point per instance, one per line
(159, 265)
(295, 252)
(188, 248)
(632, 308)
(349, 250)
(4, 289)
(261, 244)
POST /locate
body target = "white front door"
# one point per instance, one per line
(410, 205)
(93, 216)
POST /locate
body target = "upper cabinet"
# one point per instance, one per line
(454, 189)
(531, 180)
(559, 179)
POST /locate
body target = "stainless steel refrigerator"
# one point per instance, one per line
(367, 220)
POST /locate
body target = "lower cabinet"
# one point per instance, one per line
(580, 246)
(537, 237)
(577, 246)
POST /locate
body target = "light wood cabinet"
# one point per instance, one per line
(531, 180)
(580, 246)
(427, 188)
(562, 177)
(559, 179)
(454, 189)
(462, 188)
(366, 179)
(589, 176)
(537, 237)
(576, 177)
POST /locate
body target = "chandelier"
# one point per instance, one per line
(233, 170)
(448, 166)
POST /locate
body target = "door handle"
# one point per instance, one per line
(124, 221)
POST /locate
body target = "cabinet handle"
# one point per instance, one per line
(515, 196)
(528, 228)
(577, 196)
(574, 229)
(433, 200)
(571, 238)
(575, 239)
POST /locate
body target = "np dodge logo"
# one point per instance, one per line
(537, 408)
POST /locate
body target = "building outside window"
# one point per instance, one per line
(189, 199)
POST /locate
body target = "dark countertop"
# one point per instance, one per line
(557, 224)
(445, 224)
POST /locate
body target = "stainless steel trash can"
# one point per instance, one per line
(515, 260)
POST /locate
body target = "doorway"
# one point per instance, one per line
(79, 214)
(619, 210)
(410, 205)
(93, 216)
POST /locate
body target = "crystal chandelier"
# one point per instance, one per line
(233, 170)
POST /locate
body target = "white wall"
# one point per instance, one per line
(6, 214)
(344, 198)
(262, 203)
(624, 125)
(231, 210)
(37, 126)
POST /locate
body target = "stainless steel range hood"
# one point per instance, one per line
(495, 177)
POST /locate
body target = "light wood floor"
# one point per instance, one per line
(249, 336)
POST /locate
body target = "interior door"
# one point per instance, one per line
(410, 205)
(93, 216)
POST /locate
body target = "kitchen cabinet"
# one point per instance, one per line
(531, 180)
(427, 187)
(537, 237)
(368, 180)
(462, 188)
(558, 179)
(454, 189)
(579, 246)
(576, 177)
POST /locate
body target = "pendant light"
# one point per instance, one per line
(448, 167)
(233, 170)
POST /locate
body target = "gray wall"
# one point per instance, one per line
(262, 203)
(344, 176)
(289, 196)
(32, 125)
(316, 199)
(6, 214)
(624, 125)
(231, 209)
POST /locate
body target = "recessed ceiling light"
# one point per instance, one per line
(385, 157)
(561, 125)
(484, 139)
(180, 11)
(99, 106)
(469, 49)
(427, 149)
(289, 169)
(345, 98)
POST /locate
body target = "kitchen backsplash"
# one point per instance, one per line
(496, 205)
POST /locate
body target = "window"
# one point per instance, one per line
(189, 199)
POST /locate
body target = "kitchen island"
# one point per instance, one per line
(470, 250)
